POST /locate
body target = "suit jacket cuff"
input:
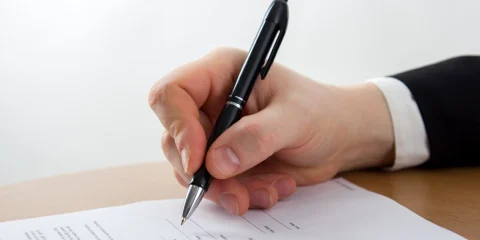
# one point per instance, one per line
(411, 143)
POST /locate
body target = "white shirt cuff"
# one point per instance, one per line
(411, 143)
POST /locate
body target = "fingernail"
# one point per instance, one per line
(284, 187)
(184, 155)
(226, 160)
(229, 202)
(261, 198)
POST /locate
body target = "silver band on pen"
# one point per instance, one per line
(235, 104)
(237, 97)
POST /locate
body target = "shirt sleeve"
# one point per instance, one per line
(411, 142)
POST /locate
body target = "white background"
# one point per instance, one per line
(75, 75)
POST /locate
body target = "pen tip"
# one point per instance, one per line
(183, 221)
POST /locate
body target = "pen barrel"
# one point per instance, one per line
(255, 60)
(230, 114)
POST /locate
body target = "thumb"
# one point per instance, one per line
(248, 142)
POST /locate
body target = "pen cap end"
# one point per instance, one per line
(278, 13)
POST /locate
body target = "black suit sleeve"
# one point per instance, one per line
(448, 96)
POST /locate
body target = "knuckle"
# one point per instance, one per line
(170, 151)
(163, 92)
(159, 98)
(174, 128)
(166, 141)
(152, 96)
(157, 93)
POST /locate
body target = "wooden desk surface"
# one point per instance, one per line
(449, 198)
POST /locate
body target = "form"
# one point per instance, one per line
(336, 209)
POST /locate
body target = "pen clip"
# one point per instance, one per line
(273, 53)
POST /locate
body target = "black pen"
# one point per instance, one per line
(268, 39)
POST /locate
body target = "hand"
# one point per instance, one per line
(295, 131)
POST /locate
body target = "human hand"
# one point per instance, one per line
(294, 132)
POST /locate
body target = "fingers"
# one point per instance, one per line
(169, 147)
(284, 184)
(194, 163)
(237, 195)
(229, 193)
(173, 156)
(248, 142)
(265, 190)
(176, 99)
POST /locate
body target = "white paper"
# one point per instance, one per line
(336, 209)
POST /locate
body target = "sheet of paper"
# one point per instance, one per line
(336, 209)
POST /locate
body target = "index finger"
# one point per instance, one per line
(177, 98)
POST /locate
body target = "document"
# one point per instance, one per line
(337, 209)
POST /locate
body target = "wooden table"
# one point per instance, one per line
(449, 198)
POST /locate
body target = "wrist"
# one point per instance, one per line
(372, 140)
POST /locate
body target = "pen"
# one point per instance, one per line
(268, 40)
